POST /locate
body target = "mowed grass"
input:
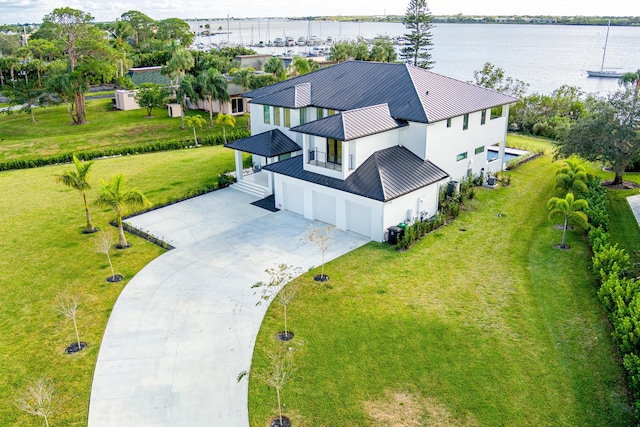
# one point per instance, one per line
(483, 323)
(43, 254)
(52, 134)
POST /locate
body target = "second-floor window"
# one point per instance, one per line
(267, 114)
(465, 122)
(483, 117)
(320, 113)
(449, 122)
(287, 117)
(303, 116)
(334, 151)
(276, 116)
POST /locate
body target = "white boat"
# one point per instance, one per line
(301, 41)
(607, 73)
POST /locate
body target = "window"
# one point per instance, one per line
(331, 112)
(465, 122)
(496, 112)
(461, 156)
(237, 105)
(276, 116)
(334, 151)
(320, 113)
(483, 118)
(449, 123)
(287, 117)
(267, 114)
(303, 116)
(479, 149)
(284, 156)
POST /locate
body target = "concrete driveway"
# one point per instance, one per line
(185, 326)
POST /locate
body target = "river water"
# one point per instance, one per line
(545, 56)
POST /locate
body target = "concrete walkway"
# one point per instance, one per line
(185, 326)
(634, 203)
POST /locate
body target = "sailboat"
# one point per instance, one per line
(604, 72)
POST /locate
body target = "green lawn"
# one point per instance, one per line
(482, 323)
(52, 134)
(43, 253)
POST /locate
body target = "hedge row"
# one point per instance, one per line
(153, 147)
(619, 290)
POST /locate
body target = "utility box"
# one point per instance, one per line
(395, 234)
(175, 110)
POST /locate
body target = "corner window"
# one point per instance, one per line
(496, 112)
(287, 117)
(479, 150)
(461, 156)
(276, 116)
(483, 118)
(303, 116)
(448, 123)
(267, 114)
(465, 122)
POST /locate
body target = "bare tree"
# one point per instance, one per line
(322, 238)
(104, 242)
(68, 307)
(278, 374)
(36, 399)
(285, 297)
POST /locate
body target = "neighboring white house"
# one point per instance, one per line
(366, 145)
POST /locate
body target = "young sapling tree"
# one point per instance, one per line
(36, 399)
(322, 238)
(277, 374)
(68, 307)
(103, 246)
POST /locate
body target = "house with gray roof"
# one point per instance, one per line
(365, 146)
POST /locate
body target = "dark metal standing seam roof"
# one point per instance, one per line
(385, 175)
(356, 84)
(266, 144)
(353, 124)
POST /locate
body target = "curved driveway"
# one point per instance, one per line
(185, 326)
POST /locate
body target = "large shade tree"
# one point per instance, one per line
(608, 132)
(418, 21)
(121, 200)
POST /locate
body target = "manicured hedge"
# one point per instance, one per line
(35, 162)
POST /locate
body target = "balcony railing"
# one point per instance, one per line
(319, 158)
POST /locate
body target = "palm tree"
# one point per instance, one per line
(276, 67)
(571, 210)
(186, 88)
(571, 178)
(212, 86)
(192, 122)
(225, 120)
(243, 78)
(116, 196)
(78, 181)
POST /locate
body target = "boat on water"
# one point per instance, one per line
(278, 42)
(603, 72)
(301, 41)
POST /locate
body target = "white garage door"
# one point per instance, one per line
(292, 198)
(359, 218)
(324, 208)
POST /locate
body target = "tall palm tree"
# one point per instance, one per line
(243, 77)
(116, 196)
(275, 66)
(212, 86)
(571, 210)
(78, 181)
(225, 120)
(186, 88)
(572, 177)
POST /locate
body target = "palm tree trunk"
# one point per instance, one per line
(122, 240)
(90, 228)
(564, 232)
(210, 111)
(195, 138)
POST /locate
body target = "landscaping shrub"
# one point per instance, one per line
(596, 196)
(225, 180)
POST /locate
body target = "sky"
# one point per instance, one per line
(32, 11)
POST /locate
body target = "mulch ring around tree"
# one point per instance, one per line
(123, 247)
(286, 422)
(559, 246)
(321, 278)
(73, 347)
(284, 336)
(626, 185)
(115, 279)
(95, 229)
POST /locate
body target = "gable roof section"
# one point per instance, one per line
(266, 144)
(353, 124)
(148, 75)
(356, 84)
(384, 176)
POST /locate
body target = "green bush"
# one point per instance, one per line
(596, 197)
(632, 365)
(609, 256)
(225, 180)
(598, 238)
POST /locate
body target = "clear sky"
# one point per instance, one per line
(27, 11)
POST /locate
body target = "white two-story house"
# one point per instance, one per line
(366, 145)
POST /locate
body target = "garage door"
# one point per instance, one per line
(324, 208)
(292, 198)
(359, 218)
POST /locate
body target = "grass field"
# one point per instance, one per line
(482, 323)
(52, 134)
(44, 254)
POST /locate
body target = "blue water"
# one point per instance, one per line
(545, 56)
(491, 155)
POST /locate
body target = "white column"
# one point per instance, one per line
(238, 154)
